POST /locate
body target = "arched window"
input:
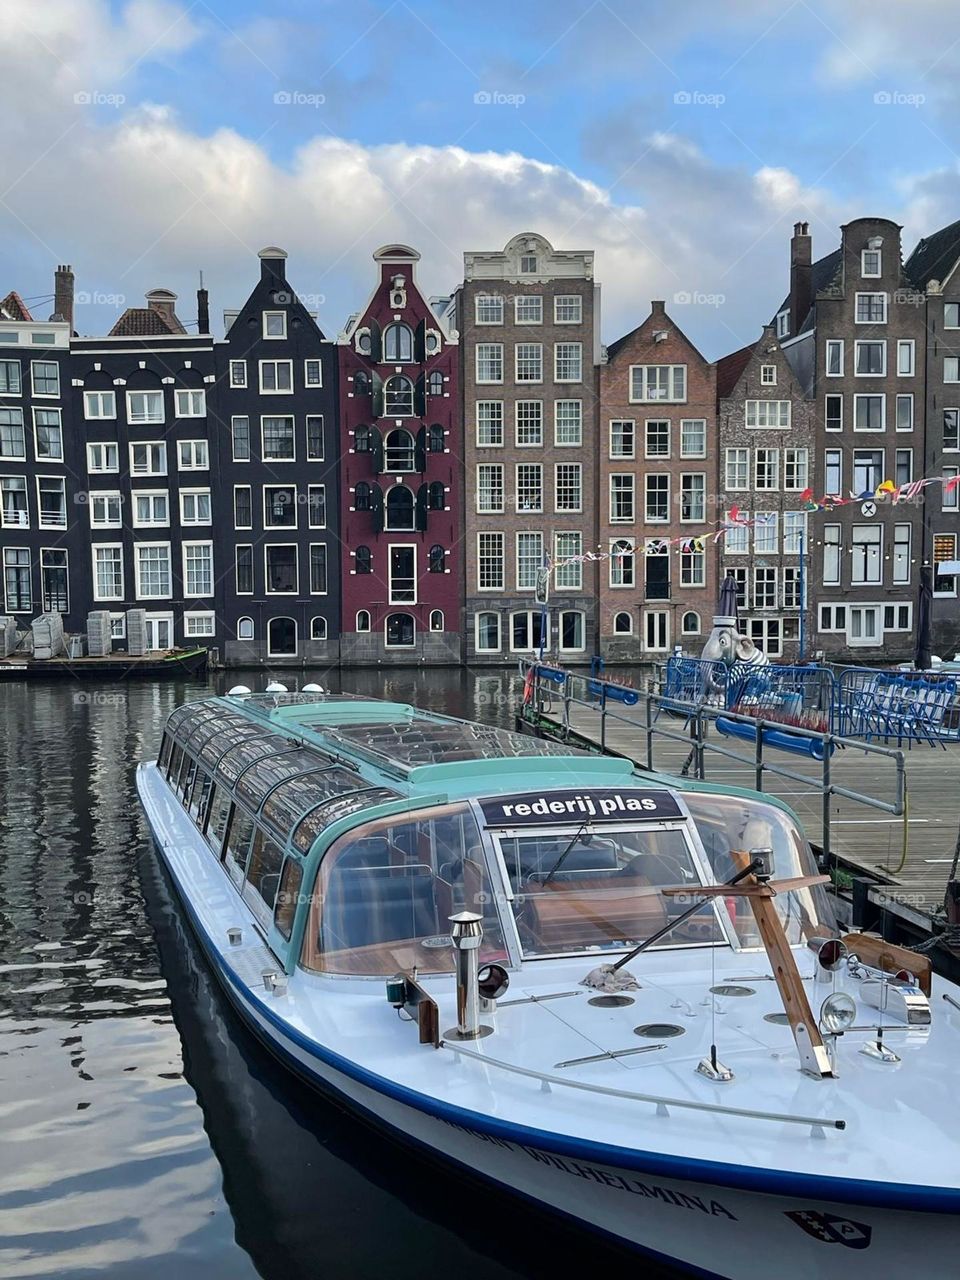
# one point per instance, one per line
(245, 629)
(398, 343)
(488, 632)
(436, 498)
(361, 384)
(364, 560)
(623, 624)
(362, 496)
(318, 628)
(437, 561)
(363, 620)
(399, 507)
(282, 638)
(572, 634)
(398, 451)
(690, 626)
(435, 383)
(436, 620)
(400, 631)
(362, 440)
(398, 397)
(435, 439)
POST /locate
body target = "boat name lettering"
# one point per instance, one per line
(601, 806)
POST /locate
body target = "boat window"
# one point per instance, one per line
(342, 806)
(260, 779)
(263, 876)
(736, 824)
(238, 844)
(202, 734)
(219, 812)
(227, 738)
(578, 891)
(385, 892)
(176, 760)
(285, 907)
(187, 712)
(249, 752)
(199, 796)
(165, 748)
(188, 771)
(288, 803)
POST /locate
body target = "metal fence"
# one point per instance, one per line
(902, 706)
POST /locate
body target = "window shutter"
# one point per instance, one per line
(376, 449)
(420, 451)
(420, 342)
(376, 392)
(421, 516)
(419, 398)
(376, 507)
(376, 342)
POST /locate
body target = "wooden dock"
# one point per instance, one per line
(911, 855)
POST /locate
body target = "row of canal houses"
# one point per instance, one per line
(391, 495)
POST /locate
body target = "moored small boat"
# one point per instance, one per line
(594, 987)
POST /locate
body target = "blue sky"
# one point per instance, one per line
(157, 138)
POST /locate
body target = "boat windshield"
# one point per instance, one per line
(385, 892)
(576, 891)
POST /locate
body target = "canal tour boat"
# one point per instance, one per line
(619, 995)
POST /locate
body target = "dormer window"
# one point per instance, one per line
(528, 264)
(783, 324)
(274, 324)
(870, 263)
(398, 344)
(768, 375)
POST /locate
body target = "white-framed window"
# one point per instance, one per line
(794, 532)
(905, 413)
(106, 509)
(572, 632)
(656, 630)
(145, 408)
(944, 549)
(45, 377)
(623, 443)
(54, 580)
(148, 458)
(898, 617)
(277, 439)
(656, 506)
(951, 369)
(316, 506)
(490, 487)
(199, 625)
(771, 414)
(193, 455)
(903, 466)
(318, 568)
(529, 559)
(280, 507)
(768, 375)
(693, 496)
(764, 588)
(52, 502)
(951, 429)
(783, 324)
(833, 413)
(529, 486)
(528, 264)
(869, 413)
(902, 552)
(737, 469)
(622, 563)
(315, 447)
(197, 570)
(832, 617)
(528, 431)
(528, 308)
(363, 620)
(274, 324)
(831, 555)
(490, 561)
(238, 373)
(489, 362)
(656, 438)
(741, 575)
(526, 631)
(195, 506)
(276, 377)
(791, 586)
(870, 260)
(528, 362)
(766, 468)
(151, 508)
(312, 373)
(796, 469)
(864, 625)
(736, 540)
(47, 435)
(690, 623)
(833, 358)
(693, 437)
(951, 315)
(866, 545)
(282, 568)
(692, 568)
(243, 561)
(568, 362)
(766, 533)
(103, 456)
(567, 547)
(568, 423)
(871, 308)
(11, 380)
(950, 498)
(568, 308)
(623, 623)
(190, 404)
(906, 357)
(151, 567)
(489, 424)
(107, 571)
(622, 498)
(486, 632)
(488, 308)
(242, 506)
(13, 437)
(240, 437)
(568, 486)
(766, 634)
(870, 359)
(99, 404)
(868, 469)
(658, 382)
(402, 573)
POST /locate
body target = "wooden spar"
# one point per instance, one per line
(814, 1059)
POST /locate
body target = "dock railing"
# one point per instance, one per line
(552, 698)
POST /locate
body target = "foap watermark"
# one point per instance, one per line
(286, 298)
(897, 98)
(97, 98)
(696, 298)
(99, 298)
(97, 698)
(697, 98)
(495, 98)
(298, 98)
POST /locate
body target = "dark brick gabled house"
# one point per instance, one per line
(401, 475)
(767, 441)
(658, 481)
(934, 267)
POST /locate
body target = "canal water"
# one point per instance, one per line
(143, 1133)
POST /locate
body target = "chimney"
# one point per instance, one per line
(801, 276)
(164, 302)
(203, 309)
(63, 294)
(273, 269)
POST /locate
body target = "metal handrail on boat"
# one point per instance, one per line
(662, 1104)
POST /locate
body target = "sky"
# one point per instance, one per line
(149, 140)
